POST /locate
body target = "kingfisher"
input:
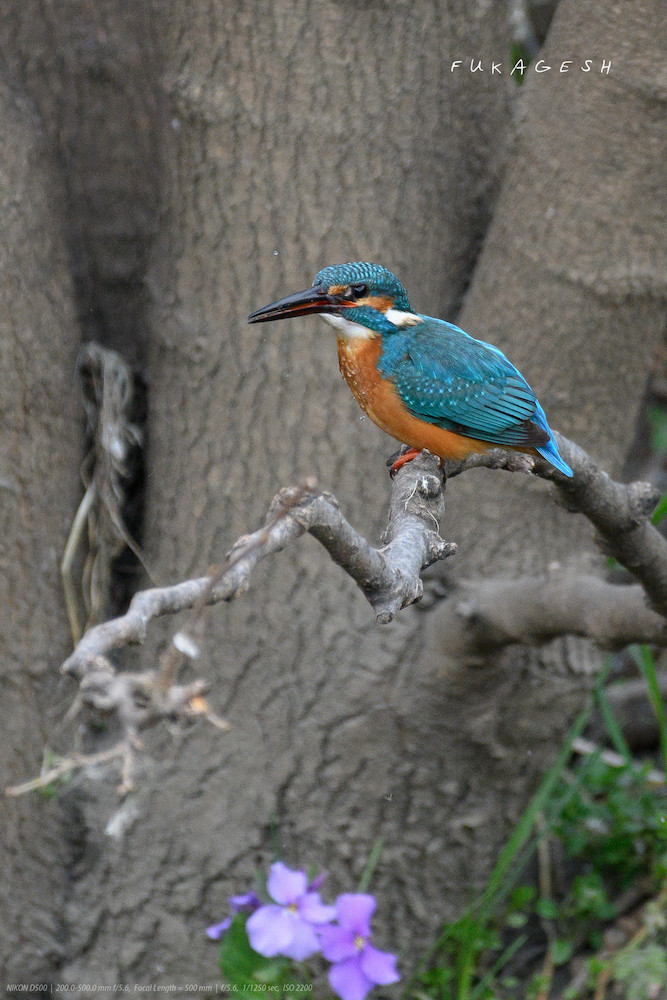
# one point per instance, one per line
(424, 381)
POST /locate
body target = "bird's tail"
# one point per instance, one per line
(550, 452)
(550, 449)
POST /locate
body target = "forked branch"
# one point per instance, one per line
(389, 577)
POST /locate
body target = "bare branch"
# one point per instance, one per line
(619, 511)
(388, 577)
(483, 616)
(494, 458)
(486, 615)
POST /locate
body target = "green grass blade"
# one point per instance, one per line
(613, 728)
(538, 804)
(495, 888)
(644, 659)
(371, 865)
(498, 966)
(507, 868)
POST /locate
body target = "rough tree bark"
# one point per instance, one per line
(295, 135)
(90, 70)
(39, 457)
(572, 289)
(266, 149)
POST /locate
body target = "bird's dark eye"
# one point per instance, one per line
(357, 291)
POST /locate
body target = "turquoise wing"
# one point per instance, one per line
(448, 378)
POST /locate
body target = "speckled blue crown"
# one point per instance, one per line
(380, 281)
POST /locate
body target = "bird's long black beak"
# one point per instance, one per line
(312, 300)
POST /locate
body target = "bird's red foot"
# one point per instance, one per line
(397, 462)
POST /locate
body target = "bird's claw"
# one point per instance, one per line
(400, 457)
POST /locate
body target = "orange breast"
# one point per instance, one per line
(378, 398)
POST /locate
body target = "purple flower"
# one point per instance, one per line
(317, 882)
(248, 902)
(288, 928)
(357, 966)
(215, 931)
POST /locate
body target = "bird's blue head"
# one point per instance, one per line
(362, 293)
(370, 285)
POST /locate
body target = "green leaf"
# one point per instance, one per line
(641, 970)
(518, 51)
(561, 951)
(240, 965)
(660, 511)
(590, 897)
(657, 418)
(522, 896)
(272, 973)
(546, 908)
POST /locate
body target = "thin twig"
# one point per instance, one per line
(74, 762)
(183, 644)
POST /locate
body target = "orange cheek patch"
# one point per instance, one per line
(379, 302)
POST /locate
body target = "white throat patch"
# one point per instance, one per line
(346, 329)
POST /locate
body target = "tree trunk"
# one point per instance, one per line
(90, 69)
(568, 285)
(294, 135)
(278, 160)
(39, 460)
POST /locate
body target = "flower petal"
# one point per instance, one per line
(269, 930)
(216, 931)
(379, 966)
(285, 885)
(348, 981)
(337, 943)
(354, 912)
(305, 941)
(312, 909)
(316, 883)
(248, 901)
